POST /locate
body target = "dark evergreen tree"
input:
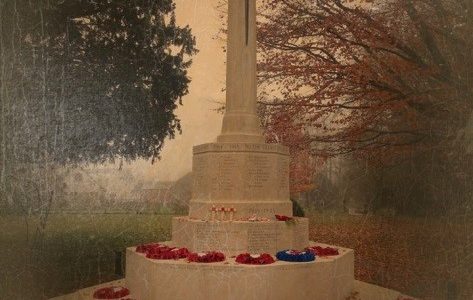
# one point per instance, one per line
(84, 81)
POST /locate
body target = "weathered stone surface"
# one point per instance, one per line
(330, 278)
(240, 122)
(234, 238)
(252, 178)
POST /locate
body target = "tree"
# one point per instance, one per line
(376, 77)
(389, 82)
(92, 80)
(85, 82)
(281, 127)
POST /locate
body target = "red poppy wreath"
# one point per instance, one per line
(248, 259)
(321, 251)
(163, 252)
(207, 257)
(111, 292)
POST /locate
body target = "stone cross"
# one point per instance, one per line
(247, 24)
(241, 123)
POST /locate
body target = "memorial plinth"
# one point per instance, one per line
(251, 178)
(323, 279)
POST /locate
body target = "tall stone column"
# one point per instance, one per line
(240, 171)
(241, 123)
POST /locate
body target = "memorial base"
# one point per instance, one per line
(361, 290)
(325, 278)
(237, 237)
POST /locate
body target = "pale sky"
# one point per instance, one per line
(200, 122)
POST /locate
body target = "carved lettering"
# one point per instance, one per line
(209, 238)
(259, 168)
(262, 238)
(261, 211)
(200, 170)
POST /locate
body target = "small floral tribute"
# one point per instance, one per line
(248, 259)
(158, 251)
(207, 257)
(112, 292)
(283, 218)
(295, 256)
(288, 220)
(321, 251)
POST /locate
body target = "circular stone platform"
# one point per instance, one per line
(325, 278)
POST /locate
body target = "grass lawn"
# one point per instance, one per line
(425, 257)
(77, 251)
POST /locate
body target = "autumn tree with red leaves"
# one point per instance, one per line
(376, 78)
(382, 81)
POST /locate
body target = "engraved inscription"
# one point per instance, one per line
(283, 174)
(200, 167)
(261, 211)
(259, 168)
(262, 239)
(223, 179)
(216, 238)
(238, 147)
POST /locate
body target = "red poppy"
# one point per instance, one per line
(112, 292)
(158, 251)
(208, 257)
(320, 251)
(168, 253)
(145, 248)
(263, 259)
(283, 218)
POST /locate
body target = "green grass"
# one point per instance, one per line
(76, 251)
(426, 257)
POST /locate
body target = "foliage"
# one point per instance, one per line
(376, 78)
(387, 83)
(281, 128)
(78, 251)
(85, 81)
(422, 257)
(297, 209)
(90, 81)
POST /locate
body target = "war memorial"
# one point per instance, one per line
(240, 239)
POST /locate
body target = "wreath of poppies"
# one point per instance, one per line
(288, 220)
(295, 256)
(112, 292)
(248, 259)
(321, 251)
(283, 218)
(158, 251)
(207, 257)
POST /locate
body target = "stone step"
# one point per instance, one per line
(240, 236)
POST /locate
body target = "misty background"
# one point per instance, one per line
(95, 159)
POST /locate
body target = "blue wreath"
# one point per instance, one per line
(295, 257)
